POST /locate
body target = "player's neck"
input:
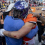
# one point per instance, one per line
(9, 13)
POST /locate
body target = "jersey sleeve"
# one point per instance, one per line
(30, 19)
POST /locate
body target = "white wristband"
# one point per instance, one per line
(2, 30)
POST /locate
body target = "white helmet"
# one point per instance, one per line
(10, 7)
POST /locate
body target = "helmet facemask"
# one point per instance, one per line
(20, 13)
(16, 13)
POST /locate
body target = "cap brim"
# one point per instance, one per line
(7, 10)
(10, 7)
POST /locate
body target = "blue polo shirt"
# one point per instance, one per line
(11, 24)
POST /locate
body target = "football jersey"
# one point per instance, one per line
(30, 19)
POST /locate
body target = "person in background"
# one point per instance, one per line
(41, 22)
(2, 17)
(2, 38)
(41, 30)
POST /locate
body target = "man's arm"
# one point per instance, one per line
(32, 33)
(40, 17)
(22, 32)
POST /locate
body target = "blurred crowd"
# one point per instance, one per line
(4, 5)
(35, 4)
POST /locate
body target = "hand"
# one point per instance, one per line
(36, 15)
(1, 32)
